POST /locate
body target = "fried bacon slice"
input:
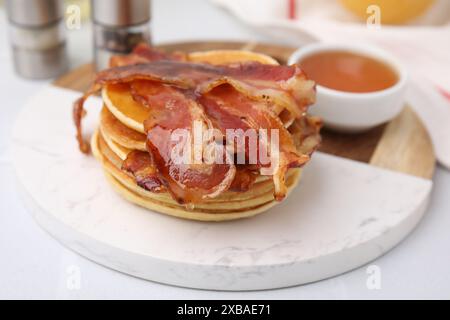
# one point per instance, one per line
(142, 53)
(141, 166)
(285, 86)
(171, 112)
(231, 110)
(305, 134)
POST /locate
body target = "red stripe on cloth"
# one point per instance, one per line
(445, 93)
(292, 9)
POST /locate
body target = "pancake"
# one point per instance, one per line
(180, 213)
(230, 56)
(228, 206)
(119, 101)
(120, 133)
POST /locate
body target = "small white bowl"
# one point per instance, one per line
(355, 112)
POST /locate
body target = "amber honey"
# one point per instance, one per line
(350, 72)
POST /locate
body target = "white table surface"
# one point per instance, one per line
(34, 265)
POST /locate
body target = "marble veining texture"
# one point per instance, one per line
(342, 215)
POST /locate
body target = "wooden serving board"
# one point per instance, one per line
(401, 145)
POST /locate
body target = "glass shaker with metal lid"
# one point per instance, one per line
(119, 25)
(37, 37)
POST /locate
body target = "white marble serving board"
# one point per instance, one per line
(342, 215)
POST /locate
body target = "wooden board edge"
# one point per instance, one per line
(406, 147)
(77, 79)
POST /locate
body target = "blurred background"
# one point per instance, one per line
(419, 26)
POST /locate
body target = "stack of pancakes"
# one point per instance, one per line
(121, 131)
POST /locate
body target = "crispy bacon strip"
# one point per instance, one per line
(143, 53)
(77, 114)
(243, 179)
(282, 85)
(286, 86)
(231, 110)
(172, 111)
(141, 166)
(305, 133)
(153, 54)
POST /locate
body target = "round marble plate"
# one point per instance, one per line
(342, 215)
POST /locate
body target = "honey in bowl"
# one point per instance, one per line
(347, 71)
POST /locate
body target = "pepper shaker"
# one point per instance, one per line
(37, 38)
(119, 25)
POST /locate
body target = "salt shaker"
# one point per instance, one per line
(119, 25)
(37, 38)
